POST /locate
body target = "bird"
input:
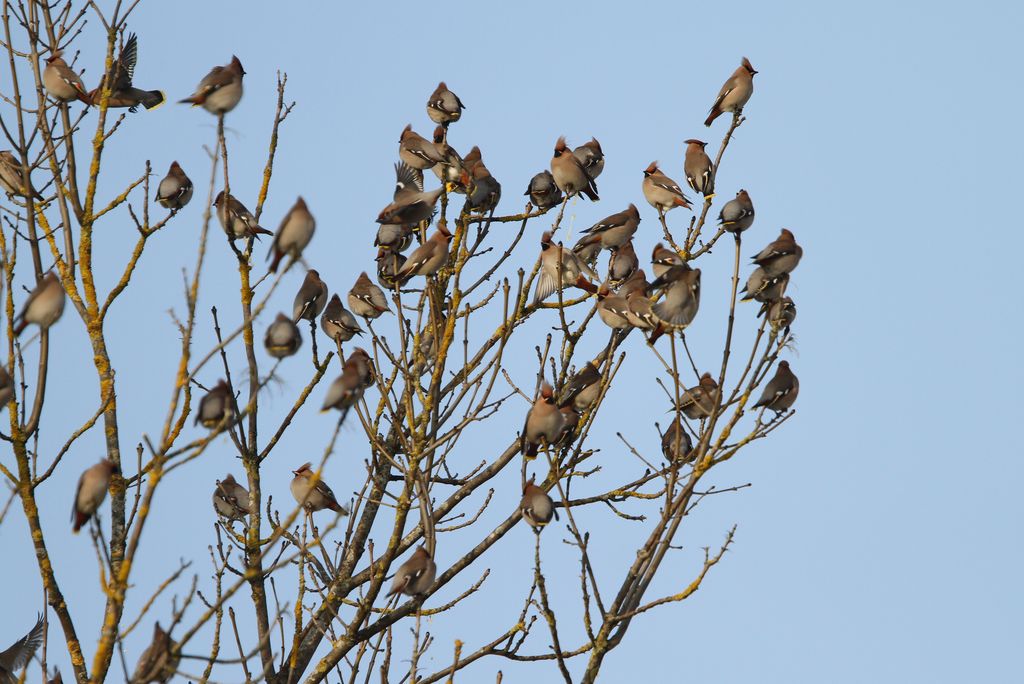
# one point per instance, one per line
(543, 192)
(394, 236)
(18, 654)
(623, 262)
(119, 80)
(237, 221)
(612, 309)
(410, 204)
(572, 421)
(63, 82)
(311, 298)
(582, 389)
(6, 387)
(560, 268)
(544, 422)
(444, 107)
(663, 258)
(700, 172)
(682, 299)
(230, 499)
(389, 262)
(363, 365)
(56, 679)
(12, 180)
(216, 406)
(734, 93)
(428, 258)
(637, 281)
(44, 306)
(347, 389)
(536, 506)
(449, 169)
(415, 575)
(781, 313)
(472, 158)
(312, 493)
(591, 156)
(661, 192)
(293, 236)
(484, 190)
(763, 287)
(175, 190)
(92, 490)
(159, 661)
(699, 401)
(780, 256)
(366, 299)
(338, 323)
(780, 392)
(676, 444)
(570, 175)
(737, 214)
(640, 311)
(220, 90)
(282, 338)
(615, 230)
(417, 151)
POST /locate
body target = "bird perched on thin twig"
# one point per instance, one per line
(663, 258)
(119, 80)
(338, 323)
(11, 178)
(543, 192)
(18, 654)
(734, 93)
(570, 175)
(311, 298)
(220, 91)
(44, 306)
(781, 255)
(283, 338)
(700, 172)
(293, 236)
(699, 402)
(159, 661)
(676, 444)
(544, 423)
(312, 493)
(661, 192)
(780, 312)
(762, 286)
(415, 575)
(366, 299)
(428, 258)
(613, 231)
(175, 190)
(444, 107)
(781, 391)
(91, 491)
(63, 82)
(737, 214)
(536, 506)
(237, 221)
(417, 151)
(230, 499)
(216, 406)
(591, 156)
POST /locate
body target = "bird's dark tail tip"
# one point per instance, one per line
(153, 99)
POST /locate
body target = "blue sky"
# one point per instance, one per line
(881, 539)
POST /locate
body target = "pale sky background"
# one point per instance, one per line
(881, 540)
